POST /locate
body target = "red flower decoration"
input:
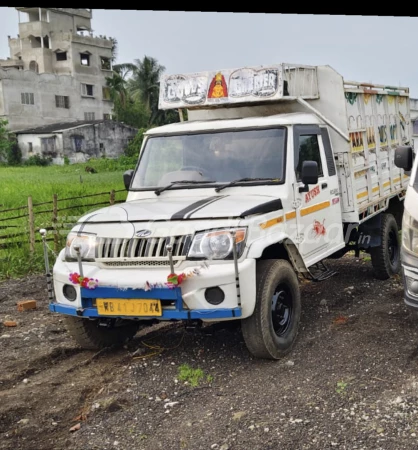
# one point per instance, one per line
(85, 282)
(175, 280)
(180, 278)
(74, 278)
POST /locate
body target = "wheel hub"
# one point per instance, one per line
(392, 248)
(281, 310)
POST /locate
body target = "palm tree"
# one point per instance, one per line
(145, 83)
(118, 82)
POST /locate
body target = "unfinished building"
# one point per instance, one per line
(56, 71)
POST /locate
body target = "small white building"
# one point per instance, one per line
(78, 141)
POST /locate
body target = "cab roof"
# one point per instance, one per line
(219, 124)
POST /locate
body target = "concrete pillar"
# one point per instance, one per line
(18, 15)
(40, 14)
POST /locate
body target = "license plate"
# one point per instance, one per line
(124, 307)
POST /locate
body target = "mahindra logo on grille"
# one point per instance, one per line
(143, 233)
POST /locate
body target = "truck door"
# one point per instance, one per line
(318, 210)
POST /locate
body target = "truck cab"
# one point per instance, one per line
(406, 159)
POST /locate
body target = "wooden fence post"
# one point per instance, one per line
(31, 226)
(55, 221)
(112, 197)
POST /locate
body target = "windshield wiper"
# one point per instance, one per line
(243, 180)
(158, 191)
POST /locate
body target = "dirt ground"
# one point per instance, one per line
(350, 383)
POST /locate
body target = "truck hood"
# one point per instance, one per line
(183, 208)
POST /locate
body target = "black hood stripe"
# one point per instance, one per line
(264, 208)
(191, 209)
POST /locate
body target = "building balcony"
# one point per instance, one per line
(11, 63)
(39, 28)
(89, 40)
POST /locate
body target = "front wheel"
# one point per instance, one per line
(271, 331)
(90, 335)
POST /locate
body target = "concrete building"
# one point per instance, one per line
(78, 141)
(56, 71)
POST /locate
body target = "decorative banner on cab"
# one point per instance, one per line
(223, 86)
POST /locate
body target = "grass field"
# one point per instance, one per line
(17, 183)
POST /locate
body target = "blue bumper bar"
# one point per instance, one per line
(174, 312)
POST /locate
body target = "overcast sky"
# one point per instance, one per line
(361, 48)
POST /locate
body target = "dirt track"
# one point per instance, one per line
(350, 382)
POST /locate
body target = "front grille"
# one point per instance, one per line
(142, 248)
(141, 263)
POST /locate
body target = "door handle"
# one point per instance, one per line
(324, 185)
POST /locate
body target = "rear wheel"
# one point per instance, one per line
(386, 258)
(271, 331)
(92, 336)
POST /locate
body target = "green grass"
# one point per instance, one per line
(18, 183)
(192, 376)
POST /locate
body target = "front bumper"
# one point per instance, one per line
(181, 303)
(175, 311)
(410, 279)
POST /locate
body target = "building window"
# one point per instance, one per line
(106, 116)
(30, 147)
(85, 59)
(48, 146)
(87, 90)
(62, 101)
(105, 62)
(89, 116)
(106, 93)
(415, 126)
(27, 98)
(61, 56)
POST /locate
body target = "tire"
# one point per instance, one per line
(386, 259)
(90, 336)
(268, 333)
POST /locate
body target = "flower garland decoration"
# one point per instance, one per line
(88, 283)
(173, 280)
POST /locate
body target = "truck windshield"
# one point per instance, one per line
(220, 156)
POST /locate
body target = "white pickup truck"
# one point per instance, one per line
(406, 159)
(276, 169)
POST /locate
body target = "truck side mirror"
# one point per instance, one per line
(404, 158)
(310, 174)
(127, 178)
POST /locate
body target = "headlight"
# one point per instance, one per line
(409, 233)
(86, 242)
(217, 244)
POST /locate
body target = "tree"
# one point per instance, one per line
(139, 84)
(6, 144)
(118, 82)
(144, 84)
(131, 112)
